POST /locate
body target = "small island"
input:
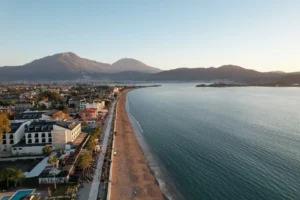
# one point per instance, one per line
(222, 84)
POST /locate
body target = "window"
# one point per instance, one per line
(14, 148)
(50, 140)
(49, 135)
(11, 136)
(36, 135)
(11, 141)
(36, 140)
(29, 135)
(20, 148)
(43, 134)
(4, 136)
(29, 141)
(44, 141)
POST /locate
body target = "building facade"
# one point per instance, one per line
(16, 133)
(39, 134)
(89, 114)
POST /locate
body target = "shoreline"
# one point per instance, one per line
(132, 177)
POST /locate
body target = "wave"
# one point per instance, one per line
(153, 161)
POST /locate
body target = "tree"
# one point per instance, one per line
(4, 124)
(10, 174)
(84, 161)
(53, 161)
(12, 102)
(84, 123)
(47, 150)
(91, 145)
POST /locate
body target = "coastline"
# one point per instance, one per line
(132, 177)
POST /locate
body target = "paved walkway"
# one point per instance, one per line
(91, 190)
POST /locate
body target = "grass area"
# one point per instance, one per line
(62, 189)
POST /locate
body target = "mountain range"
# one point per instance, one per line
(69, 66)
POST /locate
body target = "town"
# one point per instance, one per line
(56, 140)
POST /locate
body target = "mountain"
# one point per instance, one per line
(69, 66)
(225, 72)
(129, 64)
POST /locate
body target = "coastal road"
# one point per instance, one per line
(90, 191)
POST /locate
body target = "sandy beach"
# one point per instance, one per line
(131, 178)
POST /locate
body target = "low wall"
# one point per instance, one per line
(49, 180)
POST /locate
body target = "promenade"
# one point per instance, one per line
(90, 190)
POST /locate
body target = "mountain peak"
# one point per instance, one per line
(130, 64)
(66, 54)
(235, 67)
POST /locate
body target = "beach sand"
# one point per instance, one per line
(131, 178)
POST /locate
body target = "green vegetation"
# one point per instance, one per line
(64, 190)
(51, 96)
(84, 123)
(53, 160)
(84, 161)
(47, 150)
(4, 124)
(10, 174)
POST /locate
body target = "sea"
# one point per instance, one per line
(238, 143)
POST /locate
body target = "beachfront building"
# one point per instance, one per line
(38, 134)
(96, 104)
(89, 114)
(65, 132)
(14, 136)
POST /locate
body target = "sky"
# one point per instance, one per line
(258, 34)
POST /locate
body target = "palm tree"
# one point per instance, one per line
(53, 161)
(47, 150)
(84, 161)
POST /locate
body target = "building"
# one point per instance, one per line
(80, 104)
(23, 105)
(42, 133)
(6, 109)
(96, 104)
(65, 132)
(14, 136)
(53, 115)
(31, 115)
(89, 114)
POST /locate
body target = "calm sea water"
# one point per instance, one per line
(221, 143)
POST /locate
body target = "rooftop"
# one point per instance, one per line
(90, 110)
(14, 126)
(51, 112)
(67, 124)
(38, 126)
(31, 115)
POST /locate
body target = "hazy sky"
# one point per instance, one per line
(258, 34)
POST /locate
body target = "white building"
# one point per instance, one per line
(46, 133)
(64, 132)
(99, 105)
(14, 136)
